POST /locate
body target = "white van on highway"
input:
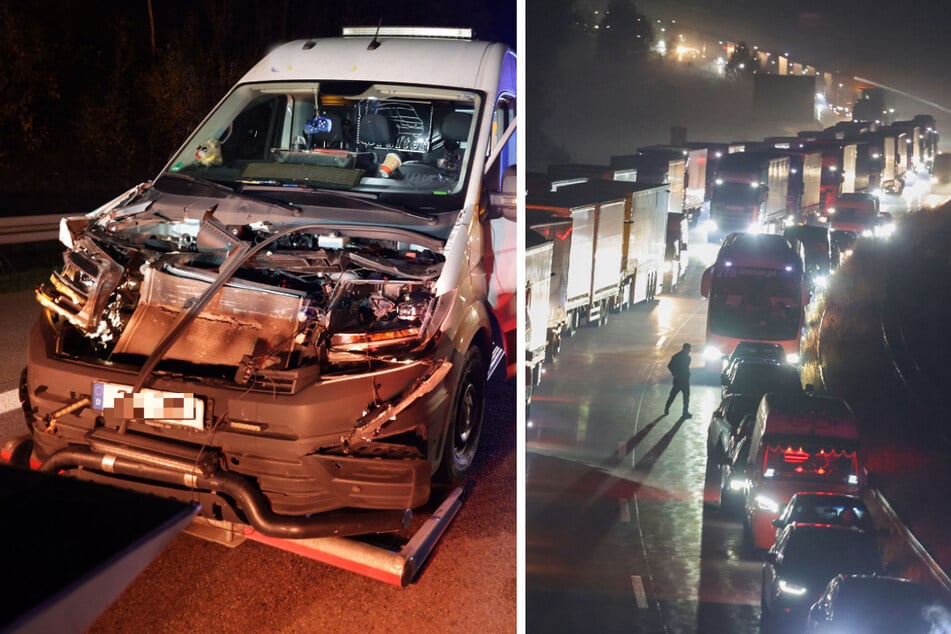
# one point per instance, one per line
(800, 442)
(294, 322)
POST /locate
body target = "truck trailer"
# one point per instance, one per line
(645, 221)
(597, 238)
(558, 230)
(538, 258)
(695, 179)
(750, 194)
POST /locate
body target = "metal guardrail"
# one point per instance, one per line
(23, 229)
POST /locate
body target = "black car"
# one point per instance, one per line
(756, 378)
(874, 604)
(725, 423)
(754, 351)
(800, 564)
(825, 508)
(733, 480)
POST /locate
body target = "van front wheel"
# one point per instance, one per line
(462, 436)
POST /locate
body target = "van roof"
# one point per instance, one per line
(808, 414)
(456, 63)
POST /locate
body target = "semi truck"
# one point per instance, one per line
(676, 255)
(881, 155)
(644, 239)
(669, 170)
(558, 230)
(597, 241)
(838, 173)
(750, 194)
(715, 151)
(695, 178)
(538, 278)
(294, 322)
(805, 176)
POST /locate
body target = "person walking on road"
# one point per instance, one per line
(679, 366)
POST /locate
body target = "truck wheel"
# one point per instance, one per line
(462, 436)
(537, 374)
(553, 349)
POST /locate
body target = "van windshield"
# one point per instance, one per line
(830, 462)
(404, 141)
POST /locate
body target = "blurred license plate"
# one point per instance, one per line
(150, 406)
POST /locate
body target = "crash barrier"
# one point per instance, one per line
(20, 229)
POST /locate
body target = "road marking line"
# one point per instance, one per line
(660, 342)
(625, 511)
(639, 595)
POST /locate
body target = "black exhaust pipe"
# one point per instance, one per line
(251, 502)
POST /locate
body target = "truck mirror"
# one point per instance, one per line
(503, 204)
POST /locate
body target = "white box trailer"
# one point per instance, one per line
(644, 238)
(559, 230)
(695, 177)
(538, 273)
(659, 170)
(594, 270)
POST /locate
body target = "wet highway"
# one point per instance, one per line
(623, 529)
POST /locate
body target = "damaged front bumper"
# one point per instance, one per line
(341, 456)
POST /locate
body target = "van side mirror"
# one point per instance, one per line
(503, 204)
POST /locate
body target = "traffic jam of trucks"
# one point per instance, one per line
(785, 212)
(294, 324)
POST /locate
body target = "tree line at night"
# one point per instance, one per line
(95, 97)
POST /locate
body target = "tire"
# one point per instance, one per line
(462, 434)
(729, 504)
(553, 349)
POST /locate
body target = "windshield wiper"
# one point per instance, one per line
(236, 189)
(367, 199)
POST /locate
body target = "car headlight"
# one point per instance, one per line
(712, 353)
(792, 358)
(821, 282)
(769, 505)
(791, 589)
(867, 233)
(739, 484)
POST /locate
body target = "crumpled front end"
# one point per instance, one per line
(271, 372)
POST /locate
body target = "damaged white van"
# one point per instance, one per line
(294, 322)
